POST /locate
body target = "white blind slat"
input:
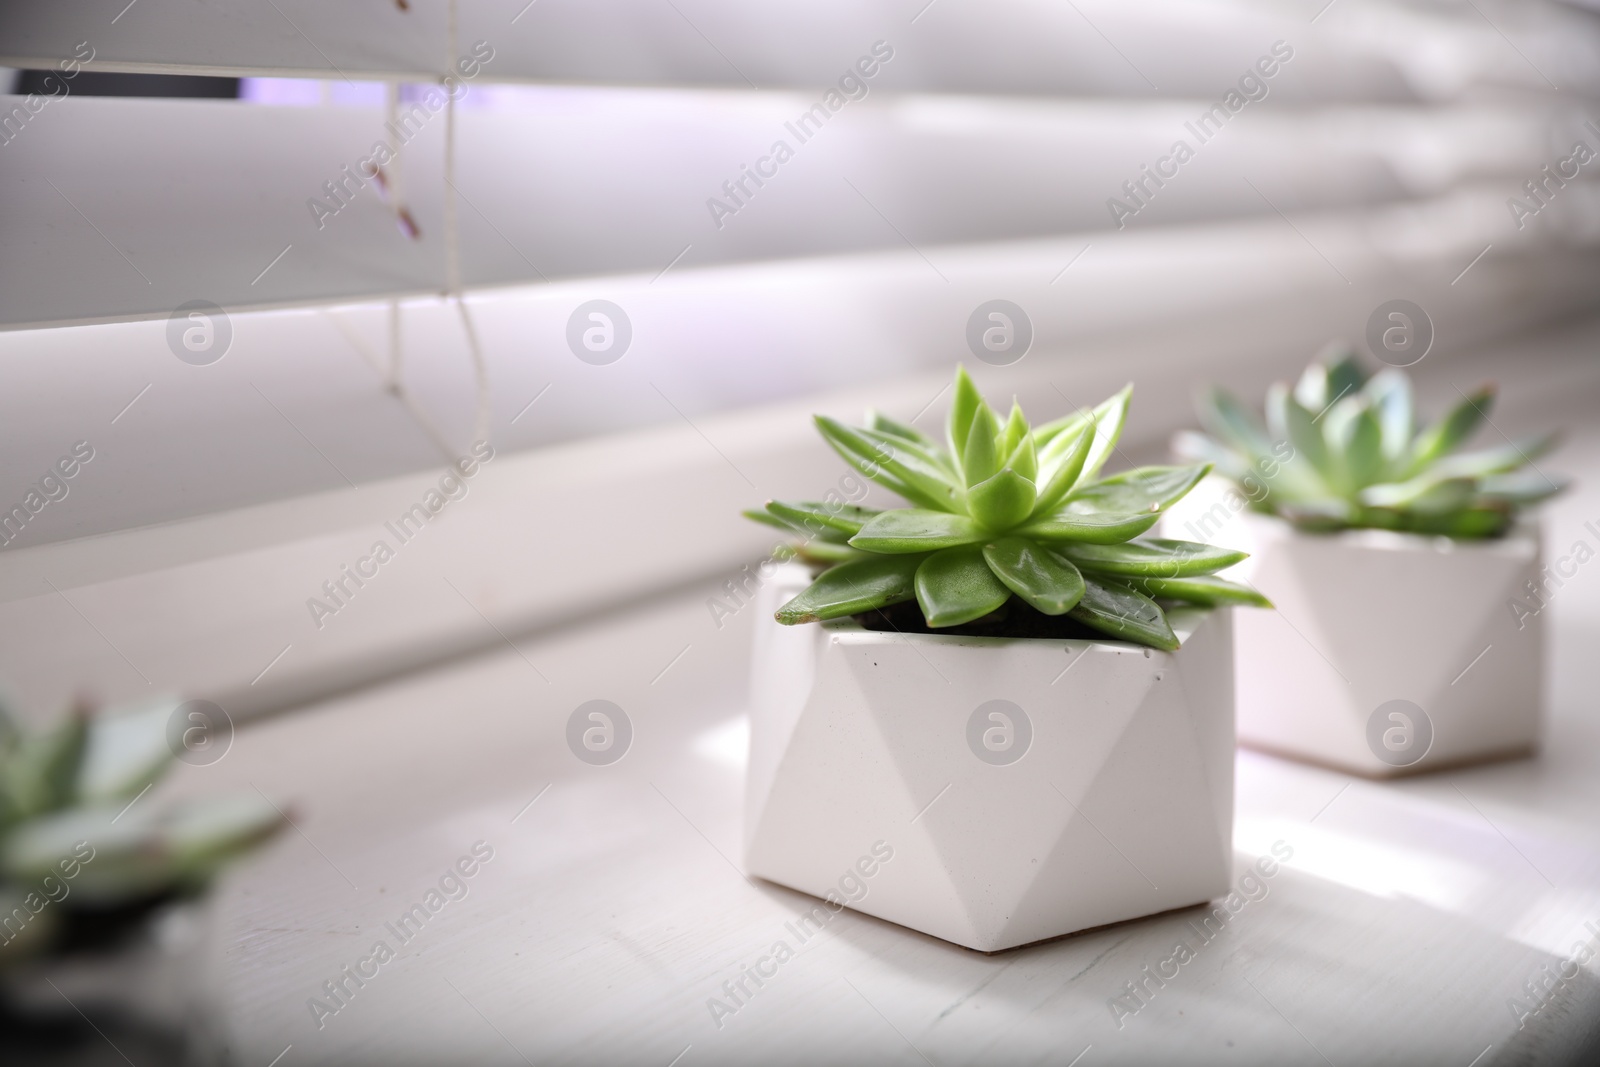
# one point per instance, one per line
(1356, 52)
(207, 203)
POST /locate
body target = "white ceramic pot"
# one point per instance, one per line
(1388, 653)
(155, 996)
(990, 792)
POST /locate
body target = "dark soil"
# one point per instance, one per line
(1015, 618)
(106, 929)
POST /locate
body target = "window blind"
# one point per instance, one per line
(788, 197)
(267, 321)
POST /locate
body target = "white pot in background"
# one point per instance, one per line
(152, 990)
(990, 792)
(1388, 653)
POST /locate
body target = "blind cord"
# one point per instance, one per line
(392, 174)
(392, 374)
(452, 243)
(373, 359)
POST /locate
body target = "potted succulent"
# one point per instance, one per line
(101, 931)
(1405, 570)
(1014, 717)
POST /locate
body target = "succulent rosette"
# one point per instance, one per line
(82, 855)
(1341, 449)
(1000, 510)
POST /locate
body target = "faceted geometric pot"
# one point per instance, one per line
(991, 792)
(148, 979)
(1388, 653)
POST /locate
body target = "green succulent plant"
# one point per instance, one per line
(1343, 450)
(73, 791)
(1002, 509)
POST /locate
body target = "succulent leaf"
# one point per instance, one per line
(956, 586)
(1502, 459)
(1520, 487)
(1054, 449)
(1311, 390)
(916, 530)
(799, 524)
(1428, 494)
(1068, 453)
(877, 420)
(1325, 514)
(1088, 525)
(1450, 432)
(1224, 417)
(1333, 373)
(1108, 419)
(1016, 429)
(929, 467)
(964, 405)
(1024, 458)
(10, 728)
(824, 552)
(893, 463)
(867, 458)
(1155, 557)
(31, 850)
(1147, 489)
(1360, 450)
(981, 459)
(1118, 508)
(1003, 501)
(819, 519)
(1480, 520)
(1206, 590)
(767, 518)
(41, 773)
(1045, 433)
(126, 750)
(145, 852)
(851, 588)
(1187, 444)
(1036, 574)
(1115, 608)
(1291, 421)
(1390, 394)
(202, 837)
(1345, 375)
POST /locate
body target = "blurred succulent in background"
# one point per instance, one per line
(1003, 509)
(81, 863)
(1343, 450)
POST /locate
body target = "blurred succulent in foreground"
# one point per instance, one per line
(1342, 450)
(1004, 509)
(80, 849)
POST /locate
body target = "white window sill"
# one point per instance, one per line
(613, 908)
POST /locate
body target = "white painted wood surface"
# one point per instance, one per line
(1407, 916)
